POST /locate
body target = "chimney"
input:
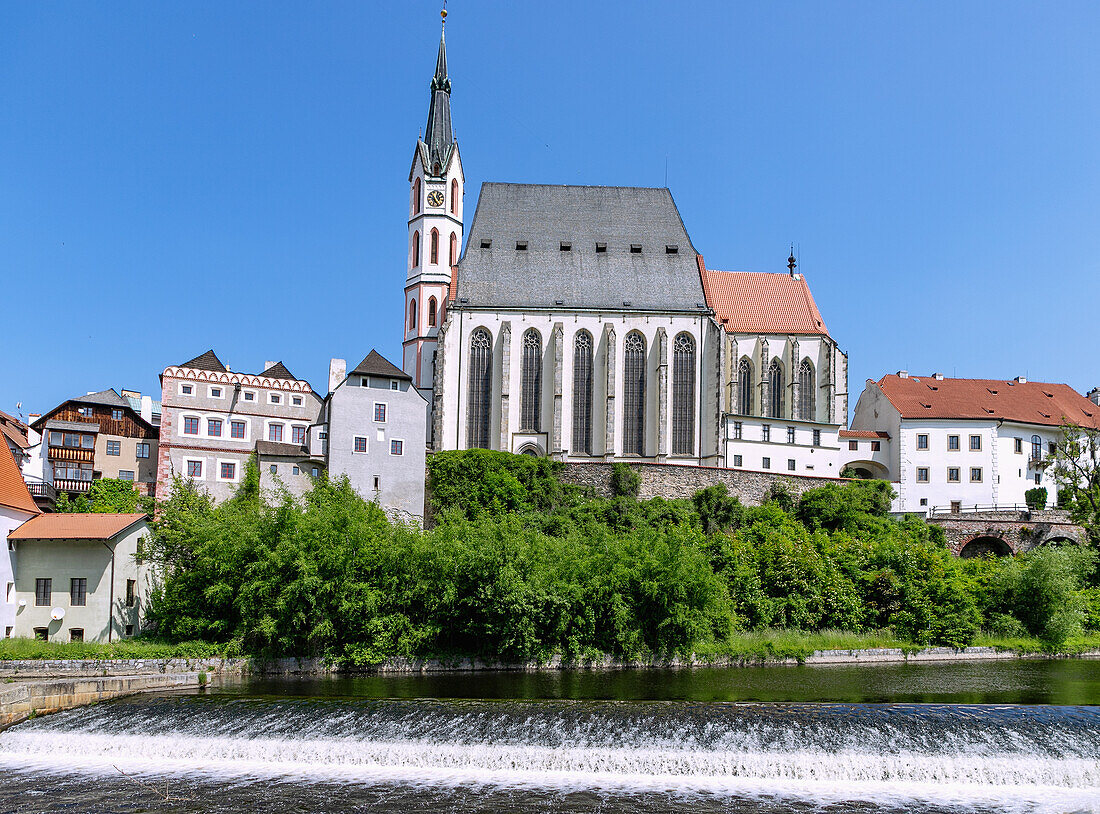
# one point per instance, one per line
(147, 408)
(267, 365)
(337, 372)
(1020, 380)
(903, 374)
(938, 377)
(1094, 396)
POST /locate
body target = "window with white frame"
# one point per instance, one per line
(274, 398)
(379, 411)
(249, 395)
(187, 389)
(216, 393)
(237, 428)
(194, 468)
(397, 446)
(190, 425)
(298, 435)
(275, 432)
(214, 427)
(394, 385)
(227, 470)
(360, 444)
(296, 401)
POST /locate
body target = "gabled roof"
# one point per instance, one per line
(278, 371)
(377, 365)
(206, 361)
(13, 491)
(107, 398)
(104, 398)
(75, 526)
(755, 302)
(989, 399)
(543, 218)
(14, 429)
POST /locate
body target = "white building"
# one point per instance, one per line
(16, 507)
(959, 443)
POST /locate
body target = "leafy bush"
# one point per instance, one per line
(1036, 499)
(625, 482)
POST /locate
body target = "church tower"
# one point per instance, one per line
(435, 230)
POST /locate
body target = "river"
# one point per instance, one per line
(1020, 736)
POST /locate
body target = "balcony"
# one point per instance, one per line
(66, 485)
(81, 455)
(1038, 463)
(43, 491)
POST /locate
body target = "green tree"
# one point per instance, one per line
(107, 495)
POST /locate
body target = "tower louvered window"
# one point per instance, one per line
(634, 395)
(582, 393)
(434, 246)
(683, 395)
(775, 389)
(744, 387)
(531, 394)
(807, 391)
(480, 389)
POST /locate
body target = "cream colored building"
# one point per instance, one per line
(79, 577)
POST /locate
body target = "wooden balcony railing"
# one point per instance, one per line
(42, 491)
(66, 485)
(84, 456)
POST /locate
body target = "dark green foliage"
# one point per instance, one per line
(521, 567)
(625, 482)
(1036, 498)
(107, 495)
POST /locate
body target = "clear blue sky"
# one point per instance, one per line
(178, 176)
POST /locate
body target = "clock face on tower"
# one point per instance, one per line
(435, 198)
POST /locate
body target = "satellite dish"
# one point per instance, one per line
(57, 614)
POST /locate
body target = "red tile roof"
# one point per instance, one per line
(761, 302)
(75, 526)
(864, 434)
(990, 399)
(13, 491)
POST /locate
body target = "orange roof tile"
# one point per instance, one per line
(13, 491)
(75, 526)
(991, 399)
(761, 302)
(864, 434)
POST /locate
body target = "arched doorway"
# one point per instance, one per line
(985, 547)
(530, 449)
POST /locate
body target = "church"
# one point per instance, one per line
(580, 323)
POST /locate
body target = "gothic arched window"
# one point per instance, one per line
(744, 386)
(416, 197)
(454, 196)
(431, 312)
(807, 392)
(479, 406)
(412, 315)
(775, 389)
(454, 249)
(531, 383)
(582, 393)
(416, 249)
(683, 395)
(434, 255)
(634, 394)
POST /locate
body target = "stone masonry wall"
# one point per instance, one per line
(672, 481)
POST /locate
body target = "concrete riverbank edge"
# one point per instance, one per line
(221, 669)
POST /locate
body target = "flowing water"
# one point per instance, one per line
(1020, 736)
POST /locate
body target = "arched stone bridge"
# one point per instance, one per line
(1006, 532)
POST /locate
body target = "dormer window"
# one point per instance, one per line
(635, 248)
(565, 246)
(601, 248)
(486, 244)
(672, 249)
(521, 245)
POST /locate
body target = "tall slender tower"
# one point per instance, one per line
(435, 230)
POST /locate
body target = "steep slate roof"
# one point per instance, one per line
(544, 216)
(75, 526)
(989, 399)
(206, 361)
(435, 149)
(13, 491)
(105, 397)
(377, 365)
(762, 302)
(278, 371)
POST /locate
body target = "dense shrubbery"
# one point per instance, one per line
(523, 567)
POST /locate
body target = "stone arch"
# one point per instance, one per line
(983, 545)
(868, 470)
(531, 449)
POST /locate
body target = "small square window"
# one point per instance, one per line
(236, 429)
(215, 392)
(952, 474)
(142, 450)
(125, 474)
(737, 460)
(129, 630)
(273, 469)
(248, 396)
(521, 245)
(853, 445)
(394, 384)
(767, 463)
(76, 634)
(314, 472)
(114, 447)
(876, 446)
(228, 470)
(635, 248)
(975, 442)
(486, 244)
(924, 501)
(565, 246)
(214, 427)
(274, 398)
(922, 441)
(190, 425)
(952, 442)
(601, 248)
(186, 389)
(116, 415)
(295, 470)
(975, 474)
(397, 447)
(360, 444)
(41, 633)
(275, 432)
(790, 464)
(672, 249)
(296, 401)
(379, 412)
(194, 469)
(922, 474)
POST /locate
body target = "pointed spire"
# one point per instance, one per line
(791, 263)
(438, 136)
